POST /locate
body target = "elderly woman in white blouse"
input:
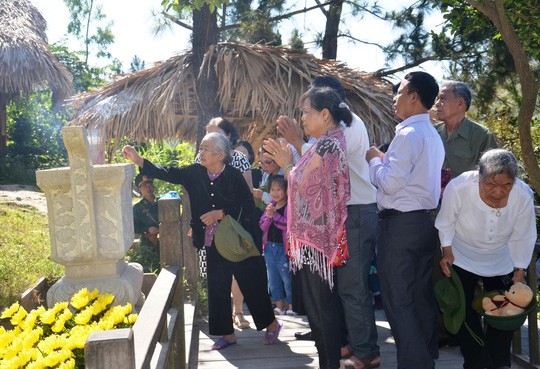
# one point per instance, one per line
(487, 230)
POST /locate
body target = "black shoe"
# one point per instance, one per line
(304, 336)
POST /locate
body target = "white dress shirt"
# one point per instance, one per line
(409, 177)
(482, 242)
(357, 143)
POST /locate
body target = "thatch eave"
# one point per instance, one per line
(26, 64)
(257, 83)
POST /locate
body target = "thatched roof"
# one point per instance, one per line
(257, 83)
(25, 61)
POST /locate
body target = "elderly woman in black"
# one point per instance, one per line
(215, 190)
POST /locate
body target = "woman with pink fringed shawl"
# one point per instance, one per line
(319, 188)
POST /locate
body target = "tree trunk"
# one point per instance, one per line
(205, 34)
(530, 86)
(329, 43)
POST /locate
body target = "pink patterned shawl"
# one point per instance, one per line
(319, 189)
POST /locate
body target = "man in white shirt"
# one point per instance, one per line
(361, 227)
(408, 182)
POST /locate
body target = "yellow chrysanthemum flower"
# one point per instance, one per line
(83, 317)
(69, 364)
(18, 316)
(83, 298)
(26, 346)
(49, 316)
(8, 313)
(131, 319)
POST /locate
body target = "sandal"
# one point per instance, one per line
(290, 312)
(270, 337)
(346, 352)
(278, 311)
(221, 344)
(240, 321)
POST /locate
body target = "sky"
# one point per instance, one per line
(133, 30)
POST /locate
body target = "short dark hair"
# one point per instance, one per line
(424, 85)
(328, 98)
(227, 127)
(329, 81)
(395, 88)
(249, 148)
(277, 178)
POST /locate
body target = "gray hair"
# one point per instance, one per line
(460, 89)
(221, 143)
(498, 161)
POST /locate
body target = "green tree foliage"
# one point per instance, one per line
(238, 20)
(85, 77)
(517, 26)
(191, 5)
(168, 153)
(494, 45)
(88, 24)
(254, 20)
(36, 142)
(296, 42)
(136, 64)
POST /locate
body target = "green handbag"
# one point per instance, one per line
(233, 242)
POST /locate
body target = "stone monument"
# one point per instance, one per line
(91, 224)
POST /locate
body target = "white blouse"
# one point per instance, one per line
(485, 242)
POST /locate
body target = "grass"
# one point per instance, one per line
(24, 251)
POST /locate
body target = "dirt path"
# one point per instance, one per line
(23, 195)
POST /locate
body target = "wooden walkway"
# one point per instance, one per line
(289, 353)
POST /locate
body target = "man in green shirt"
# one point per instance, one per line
(464, 143)
(146, 223)
(464, 140)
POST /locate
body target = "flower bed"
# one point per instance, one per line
(55, 338)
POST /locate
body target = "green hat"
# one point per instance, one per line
(451, 300)
(142, 179)
(233, 242)
(503, 323)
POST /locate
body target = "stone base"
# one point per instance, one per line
(126, 287)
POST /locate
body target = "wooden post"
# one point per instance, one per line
(191, 258)
(171, 254)
(110, 349)
(534, 354)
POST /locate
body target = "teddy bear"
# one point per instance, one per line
(513, 302)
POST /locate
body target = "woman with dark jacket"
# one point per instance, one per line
(215, 190)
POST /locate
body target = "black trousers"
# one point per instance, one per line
(496, 350)
(252, 280)
(324, 315)
(405, 260)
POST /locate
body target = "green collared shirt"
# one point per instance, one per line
(465, 145)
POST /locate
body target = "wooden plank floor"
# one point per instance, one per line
(289, 353)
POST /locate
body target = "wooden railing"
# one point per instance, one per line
(533, 349)
(157, 339)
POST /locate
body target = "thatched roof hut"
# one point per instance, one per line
(26, 63)
(257, 83)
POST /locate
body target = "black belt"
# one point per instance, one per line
(393, 212)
